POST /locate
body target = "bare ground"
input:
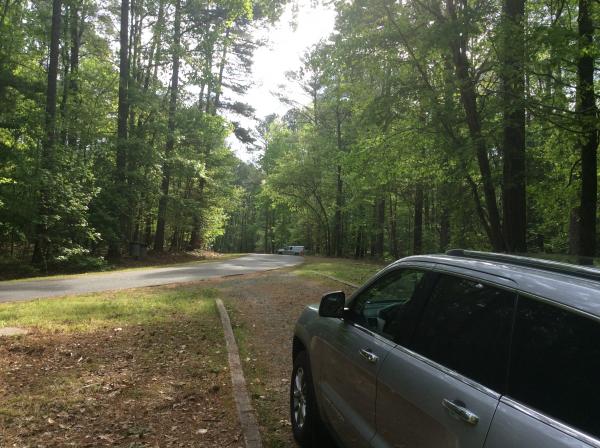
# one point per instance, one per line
(264, 309)
(159, 385)
(162, 385)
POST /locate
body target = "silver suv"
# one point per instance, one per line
(467, 349)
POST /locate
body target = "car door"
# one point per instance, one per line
(440, 386)
(553, 394)
(350, 352)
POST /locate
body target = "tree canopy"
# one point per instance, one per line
(431, 124)
(427, 124)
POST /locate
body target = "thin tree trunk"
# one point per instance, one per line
(395, 246)
(444, 228)
(73, 133)
(513, 96)
(154, 54)
(338, 242)
(418, 221)
(64, 115)
(159, 238)
(195, 235)
(272, 232)
(380, 227)
(209, 82)
(75, 47)
(219, 86)
(148, 230)
(469, 102)
(49, 145)
(588, 119)
(574, 229)
(266, 245)
(114, 250)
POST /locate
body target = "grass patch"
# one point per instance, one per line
(103, 310)
(352, 271)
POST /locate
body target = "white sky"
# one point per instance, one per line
(283, 52)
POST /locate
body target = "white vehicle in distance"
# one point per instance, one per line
(291, 250)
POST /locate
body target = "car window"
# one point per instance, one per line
(466, 327)
(387, 303)
(555, 364)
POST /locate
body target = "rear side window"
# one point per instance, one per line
(555, 364)
(466, 327)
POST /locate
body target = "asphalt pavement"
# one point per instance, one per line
(18, 290)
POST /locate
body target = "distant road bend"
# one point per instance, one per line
(17, 290)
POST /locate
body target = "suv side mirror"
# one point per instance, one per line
(332, 304)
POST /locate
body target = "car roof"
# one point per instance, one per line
(570, 286)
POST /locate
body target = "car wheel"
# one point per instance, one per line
(304, 415)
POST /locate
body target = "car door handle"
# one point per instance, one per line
(368, 355)
(460, 412)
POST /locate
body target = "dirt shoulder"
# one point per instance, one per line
(264, 308)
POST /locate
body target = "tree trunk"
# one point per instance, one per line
(195, 235)
(444, 228)
(338, 237)
(395, 245)
(114, 250)
(574, 228)
(588, 119)
(513, 96)
(154, 56)
(378, 241)
(159, 237)
(49, 145)
(418, 225)
(358, 244)
(469, 102)
(337, 219)
(73, 131)
(75, 46)
(219, 86)
(209, 82)
(266, 229)
(148, 230)
(64, 59)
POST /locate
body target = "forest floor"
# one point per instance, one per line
(147, 367)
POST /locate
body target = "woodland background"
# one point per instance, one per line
(430, 124)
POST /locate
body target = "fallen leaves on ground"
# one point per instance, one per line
(138, 386)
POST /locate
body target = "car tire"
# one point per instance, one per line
(304, 415)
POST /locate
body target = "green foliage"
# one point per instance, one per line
(77, 260)
(388, 124)
(68, 198)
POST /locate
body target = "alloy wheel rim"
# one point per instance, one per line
(299, 400)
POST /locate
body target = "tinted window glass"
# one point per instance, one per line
(466, 327)
(555, 365)
(385, 306)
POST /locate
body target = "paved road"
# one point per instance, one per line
(33, 289)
